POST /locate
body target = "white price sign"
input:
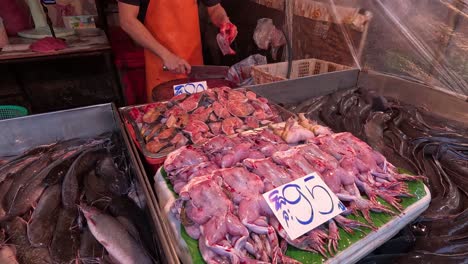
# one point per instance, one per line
(303, 204)
(190, 88)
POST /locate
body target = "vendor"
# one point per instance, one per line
(170, 35)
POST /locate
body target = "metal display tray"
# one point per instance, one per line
(352, 254)
(20, 134)
(301, 89)
(141, 144)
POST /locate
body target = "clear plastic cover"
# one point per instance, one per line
(425, 40)
(422, 40)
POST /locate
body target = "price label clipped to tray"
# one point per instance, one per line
(303, 204)
(190, 88)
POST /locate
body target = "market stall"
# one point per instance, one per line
(52, 156)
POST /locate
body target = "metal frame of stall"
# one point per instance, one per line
(22, 133)
(440, 102)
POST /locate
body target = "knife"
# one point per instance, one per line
(208, 72)
(46, 12)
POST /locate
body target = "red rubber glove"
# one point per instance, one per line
(228, 31)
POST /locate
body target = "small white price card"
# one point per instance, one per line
(190, 88)
(303, 204)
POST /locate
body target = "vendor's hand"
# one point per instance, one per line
(176, 64)
(228, 30)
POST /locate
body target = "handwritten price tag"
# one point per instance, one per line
(303, 204)
(190, 88)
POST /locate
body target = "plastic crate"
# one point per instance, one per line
(12, 111)
(300, 68)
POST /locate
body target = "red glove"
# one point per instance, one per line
(228, 31)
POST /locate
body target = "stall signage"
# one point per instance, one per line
(303, 204)
(190, 88)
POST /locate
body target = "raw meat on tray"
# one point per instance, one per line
(194, 119)
(236, 171)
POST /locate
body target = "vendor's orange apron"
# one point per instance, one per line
(174, 24)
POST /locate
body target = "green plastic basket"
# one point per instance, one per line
(12, 111)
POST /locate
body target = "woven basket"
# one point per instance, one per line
(300, 68)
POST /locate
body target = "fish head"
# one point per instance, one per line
(88, 211)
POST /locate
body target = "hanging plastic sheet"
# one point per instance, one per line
(425, 41)
(422, 40)
(315, 33)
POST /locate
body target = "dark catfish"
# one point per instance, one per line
(16, 230)
(85, 162)
(44, 217)
(15, 166)
(96, 191)
(65, 147)
(21, 179)
(30, 153)
(89, 246)
(55, 176)
(65, 242)
(129, 226)
(30, 192)
(124, 207)
(374, 129)
(4, 187)
(56, 150)
(116, 180)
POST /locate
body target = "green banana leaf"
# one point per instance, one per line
(416, 188)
